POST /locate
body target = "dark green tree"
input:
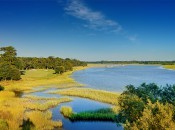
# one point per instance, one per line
(8, 54)
(9, 72)
(59, 69)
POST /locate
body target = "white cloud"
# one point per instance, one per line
(94, 19)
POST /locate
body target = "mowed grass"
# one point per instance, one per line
(169, 67)
(98, 95)
(39, 74)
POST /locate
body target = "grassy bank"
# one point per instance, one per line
(39, 77)
(13, 110)
(98, 95)
(169, 67)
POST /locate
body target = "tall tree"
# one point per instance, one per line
(8, 54)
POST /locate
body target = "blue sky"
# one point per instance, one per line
(90, 30)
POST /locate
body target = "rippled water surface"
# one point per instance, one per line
(115, 78)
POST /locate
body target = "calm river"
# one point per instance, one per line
(116, 78)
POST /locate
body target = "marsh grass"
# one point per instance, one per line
(13, 110)
(66, 111)
(3, 125)
(42, 106)
(99, 95)
(169, 67)
(106, 114)
(42, 120)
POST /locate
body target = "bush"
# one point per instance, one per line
(156, 116)
(1, 88)
(66, 111)
(27, 125)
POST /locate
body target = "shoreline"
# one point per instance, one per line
(27, 83)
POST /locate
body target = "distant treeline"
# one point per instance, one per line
(134, 62)
(25, 63)
(11, 65)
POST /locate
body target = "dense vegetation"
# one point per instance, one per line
(106, 114)
(11, 66)
(135, 62)
(147, 107)
(97, 115)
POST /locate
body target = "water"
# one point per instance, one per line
(115, 78)
(111, 79)
(78, 105)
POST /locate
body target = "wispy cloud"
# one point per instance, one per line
(94, 19)
(132, 38)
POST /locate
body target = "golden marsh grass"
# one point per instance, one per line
(169, 67)
(98, 95)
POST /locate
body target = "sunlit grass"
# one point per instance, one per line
(66, 111)
(42, 120)
(40, 77)
(42, 106)
(13, 110)
(3, 125)
(99, 95)
(169, 67)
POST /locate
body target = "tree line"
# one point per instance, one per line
(135, 62)
(11, 66)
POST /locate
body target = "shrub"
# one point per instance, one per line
(27, 125)
(156, 116)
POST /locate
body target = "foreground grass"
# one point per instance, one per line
(42, 121)
(98, 95)
(14, 110)
(169, 67)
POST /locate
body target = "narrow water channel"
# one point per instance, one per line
(78, 105)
